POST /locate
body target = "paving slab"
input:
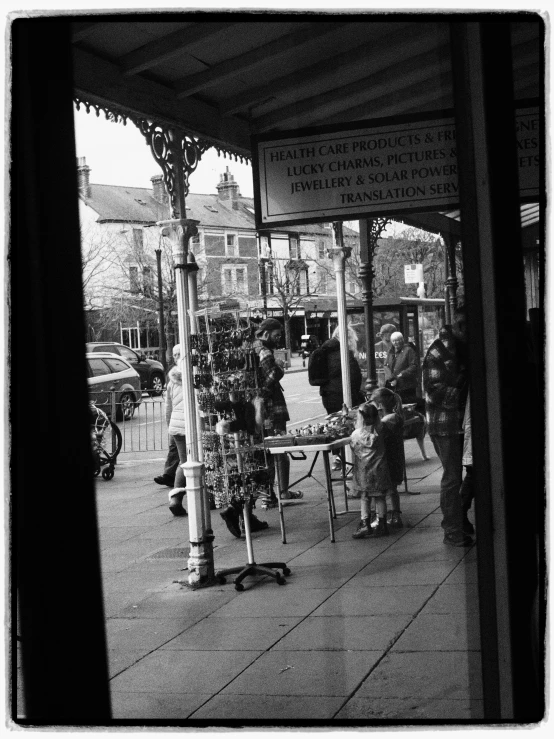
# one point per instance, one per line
(304, 673)
(267, 599)
(441, 632)
(344, 633)
(318, 576)
(152, 706)
(178, 602)
(465, 571)
(453, 598)
(126, 634)
(375, 601)
(410, 709)
(186, 671)
(427, 675)
(269, 708)
(119, 660)
(401, 573)
(217, 633)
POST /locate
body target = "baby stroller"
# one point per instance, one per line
(106, 442)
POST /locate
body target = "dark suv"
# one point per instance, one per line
(151, 372)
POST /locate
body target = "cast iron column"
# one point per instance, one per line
(340, 254)
(163, 357)
(370, 231)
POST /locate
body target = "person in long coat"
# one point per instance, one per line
(402, 368)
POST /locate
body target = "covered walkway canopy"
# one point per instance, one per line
(193, 81)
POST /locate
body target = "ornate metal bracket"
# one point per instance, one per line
(176, 152)
(178, 156)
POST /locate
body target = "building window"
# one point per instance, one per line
(147, 281)
(294, 250)
(231, 245)
(134, 284)
(233, 279)
(138, 239)
(321, 250)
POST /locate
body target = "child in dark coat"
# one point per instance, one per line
(390, 410)
(370, 474)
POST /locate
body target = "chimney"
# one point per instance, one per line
(159, 191)
(228, 189)
(83, 177)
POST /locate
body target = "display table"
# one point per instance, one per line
(325, 449)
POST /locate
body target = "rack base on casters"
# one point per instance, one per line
(267, 568)
(251, 568)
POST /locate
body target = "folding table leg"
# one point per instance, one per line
(280, 504)
(330, 499)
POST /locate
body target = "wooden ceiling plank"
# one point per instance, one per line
(313, 73)
(98, 80)
(233, 67)
(168, 47)
(418, 68)
(405, 100)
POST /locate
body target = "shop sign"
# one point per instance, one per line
(413, 273)
(396, 166)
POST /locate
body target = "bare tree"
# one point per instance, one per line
(287, 282)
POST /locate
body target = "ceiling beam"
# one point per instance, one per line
(168, 47)
(80, 31)
(419, 68)
(98, 80)
(308, 75)
(433, 222)
(233, 67)
(411, 99)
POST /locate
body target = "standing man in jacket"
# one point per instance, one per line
(445, 384)
(403, 368)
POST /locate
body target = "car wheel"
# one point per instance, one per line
(156, 385)
(125, 407)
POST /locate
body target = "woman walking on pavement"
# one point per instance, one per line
(175, 417)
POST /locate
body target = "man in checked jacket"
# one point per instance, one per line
(445, 384)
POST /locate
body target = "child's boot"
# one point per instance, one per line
(379, 528)
(363, 529)
(394, 520)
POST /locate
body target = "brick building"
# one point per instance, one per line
(236, 263)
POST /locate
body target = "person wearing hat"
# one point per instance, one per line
(403, 368)
(383, 347)
(270, 372)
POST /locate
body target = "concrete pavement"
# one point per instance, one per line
(363, 630)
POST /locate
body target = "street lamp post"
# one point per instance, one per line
(263, 282)
(163, 357)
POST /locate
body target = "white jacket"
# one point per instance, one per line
(174, 405)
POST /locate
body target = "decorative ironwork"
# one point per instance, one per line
(174, 150)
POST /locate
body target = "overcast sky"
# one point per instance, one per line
(119, 155)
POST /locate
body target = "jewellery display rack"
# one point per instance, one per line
(228, 398)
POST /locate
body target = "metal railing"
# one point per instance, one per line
(143, 427)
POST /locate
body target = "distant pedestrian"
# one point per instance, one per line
(175, 417)
(402, 365)
(383, 347)
(327, 359)
(370, 473)
(172, 459)
(445, 385)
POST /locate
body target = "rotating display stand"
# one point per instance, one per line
(229, 401)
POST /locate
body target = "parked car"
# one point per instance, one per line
(151, 372)
(108, 372)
